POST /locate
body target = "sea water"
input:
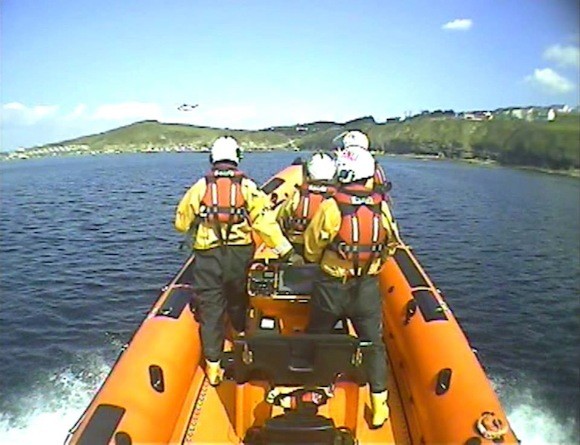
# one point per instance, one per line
(86, 243)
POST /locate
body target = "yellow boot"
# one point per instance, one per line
(214, 371)
(380, 408)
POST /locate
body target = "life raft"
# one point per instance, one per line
(284, 386)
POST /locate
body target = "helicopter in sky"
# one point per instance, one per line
(187, 107)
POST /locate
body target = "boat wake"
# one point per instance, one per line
(535, 426)
(46, 413)
(532, 422)
(50, 409)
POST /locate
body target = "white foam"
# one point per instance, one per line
(528, 417)
(53, 406)
(534, 426)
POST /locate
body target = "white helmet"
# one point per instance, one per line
(321, 167)
(355, 138)
(225, 148)
(354, 164)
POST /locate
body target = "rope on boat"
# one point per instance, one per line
(197, 411)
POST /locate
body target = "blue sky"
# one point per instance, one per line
(75, 67)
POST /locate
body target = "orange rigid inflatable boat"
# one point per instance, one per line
(284, 386)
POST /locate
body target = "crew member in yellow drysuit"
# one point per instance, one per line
(221, 210)
(351, 235)
(298, 210)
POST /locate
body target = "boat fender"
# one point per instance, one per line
(490, 426)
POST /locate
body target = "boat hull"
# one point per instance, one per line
(157, 392)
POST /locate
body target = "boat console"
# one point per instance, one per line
(276, 350)
(279, 296)
(280, 280)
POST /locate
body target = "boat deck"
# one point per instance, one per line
(218, 412)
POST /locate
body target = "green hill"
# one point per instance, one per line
(152, 134)
(540, 144)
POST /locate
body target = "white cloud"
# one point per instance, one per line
(232, 115)
(15, 113)
(14, 106)
(24, 125)
(458, 25)
(563, 55)
(127, 111)
(550, 81)
(77, 113)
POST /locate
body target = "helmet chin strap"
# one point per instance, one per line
(337, 142)
(345, 176)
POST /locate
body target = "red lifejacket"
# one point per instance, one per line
(311, 196)
(223, 202)
(361, 236)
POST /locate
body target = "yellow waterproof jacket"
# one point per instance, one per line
(287, 210)
(323, 229)
(262, 220)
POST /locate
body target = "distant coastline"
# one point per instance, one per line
(573, 173)
(551, 146)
